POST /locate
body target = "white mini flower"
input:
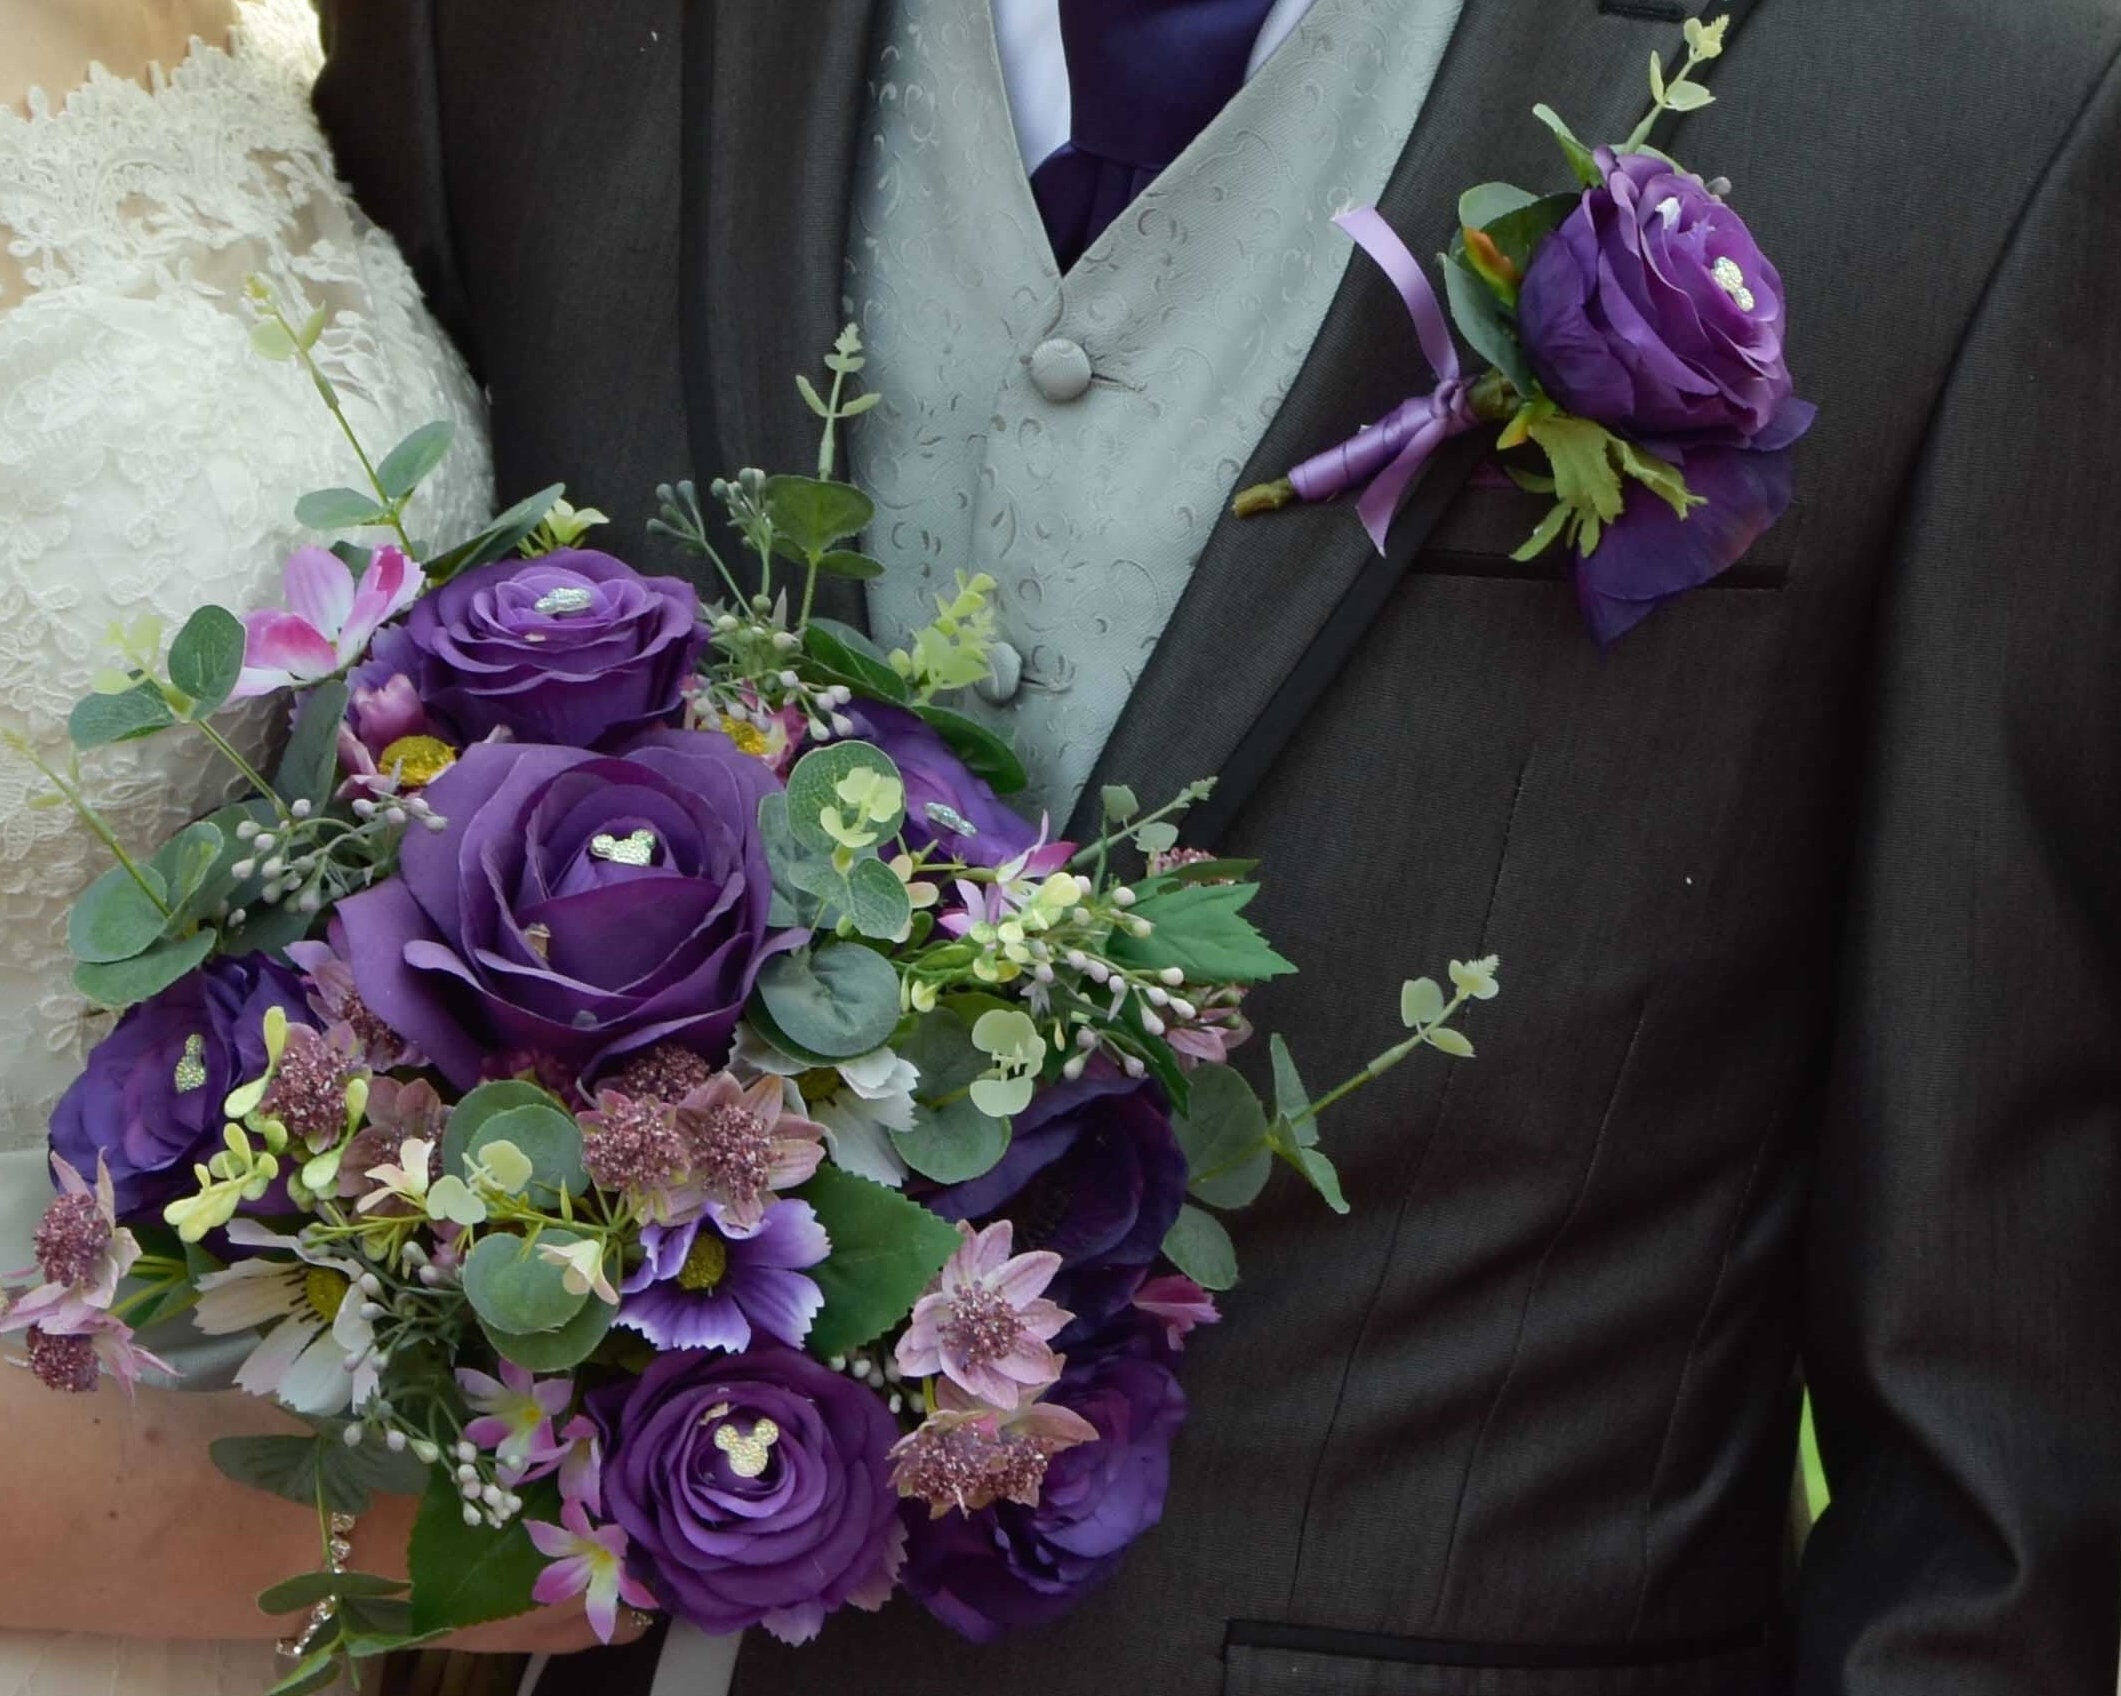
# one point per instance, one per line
(859, 1103)
(318, 1354)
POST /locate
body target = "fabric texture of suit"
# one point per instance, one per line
(1807, 893)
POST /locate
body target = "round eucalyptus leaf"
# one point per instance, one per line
(953, 1144)
(549, 1138)
(556, 1350)
(483, 1103)
(839, 1002)
(514, 1288)
(116, 918)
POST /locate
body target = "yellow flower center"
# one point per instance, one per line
(419, 760)
(707, 1263)
(325, 1291)
(819, 1087)
(749, 738)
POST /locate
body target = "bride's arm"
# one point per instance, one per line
(113, 1520)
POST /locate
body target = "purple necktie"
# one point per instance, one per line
(1145, 77)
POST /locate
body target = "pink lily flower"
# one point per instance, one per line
(516, 1414)
(329, 620)
(587, 1562)
(1180, 1303)
(582, 1464)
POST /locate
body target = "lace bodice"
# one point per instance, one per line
(149, 460)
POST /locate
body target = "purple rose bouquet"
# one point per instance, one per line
(628, 1076)
(1635, 331)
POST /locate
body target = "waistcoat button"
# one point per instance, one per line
(1060, 369)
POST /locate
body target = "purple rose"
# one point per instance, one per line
(1652, 311)
(942, 792)
(149, 1099)
(1010, 1566)
(1095, 1174)
(736, 1521)
(575, 648)
(577, 906)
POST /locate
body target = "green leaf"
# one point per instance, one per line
(877, 902)
(845, 562)
(1204, 871)
(1292, 1102)
(512, 1286)
(313, 327)
(1662, 478)
(862, 403)
(1120, 802)
(406, 466)
(940, 1047)
(840, 1002)
(814, 514)
(1201, 929)
(115, 918)
(300, 1468)
(268, 930)
(552, 1141)
(1530, 482)
(498, 538)
(1159, 836)
(811, 398)
(952, 1143)
(852, 659)
(1198, 1246)
(813, 788)
(984, 753)
(1688, 97)
(309, 767)
(321, 1670)
(190, 865)
(269, 340)
(1519, 233)
(1324, 1177)
(1453, 1043)
(1657, 75)
(885, 1251)
(1580, 157)
(464, 1575)
(312, 1587)
(1544, 535)
(98, 720)
(555, 1351)
(339, 509)
(485, 1102)
(1224, 1134)
(121, 983)
(1484, 324)
(1483, 203)
(1585, 479)
(1421, 1002)
(207, 658)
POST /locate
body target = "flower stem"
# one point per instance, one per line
(94, 820)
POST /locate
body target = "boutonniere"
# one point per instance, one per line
(1634, 331)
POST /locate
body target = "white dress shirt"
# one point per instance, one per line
(1035, 69)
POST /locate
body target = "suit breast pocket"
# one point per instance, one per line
(1491, 518)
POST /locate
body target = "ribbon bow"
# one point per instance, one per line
(1392, 452)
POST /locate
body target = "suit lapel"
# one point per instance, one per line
(774, 100)
(1276, 604)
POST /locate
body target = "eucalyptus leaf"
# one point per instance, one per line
(940, 1047)
(121, 983)
(1581, 160)
(485, 1102)
(309, 766)
(98, 720)
(558, 1350)
(840, 1001)
(407, 465)
(500, 537)
(1451, 1042)
(813, 789)
(1199, 1247)
(877, 901)
(1292, 1102)
(1484, 324)
(115, 918)
(1322, 1175)
(512, 1286)
(187, 865)
(549, 1137)
(885, 1250)
(1483, 203)
(1421, 1002)
(1224, 1135)
(339, 509)
(207, 657)
(953, 1143)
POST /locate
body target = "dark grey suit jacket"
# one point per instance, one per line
(1808, 893)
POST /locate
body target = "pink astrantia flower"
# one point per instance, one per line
(986, 1324)
(968, 1457)
(328, 621)
(586, 1562)
(1180, 1303)
(71, 1343)
(80, 1246)
(82, 1253)
(516, 1414)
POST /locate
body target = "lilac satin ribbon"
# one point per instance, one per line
(1392, 452)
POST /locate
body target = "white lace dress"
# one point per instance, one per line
(149, 462)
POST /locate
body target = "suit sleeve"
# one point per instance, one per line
(1962, 1303)
(379, 102)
